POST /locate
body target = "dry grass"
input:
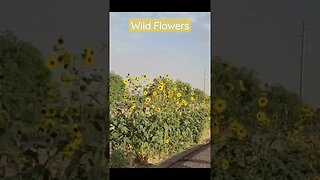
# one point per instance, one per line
(205, 136)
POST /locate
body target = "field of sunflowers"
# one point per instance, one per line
(151, 119)
(261, 131)
(52, 113)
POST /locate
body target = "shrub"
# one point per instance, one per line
(23, 78)
(116, 86)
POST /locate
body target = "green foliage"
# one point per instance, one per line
(261, 131)
(116, 85)
(64, 137)
(155, 118)
(22, 78)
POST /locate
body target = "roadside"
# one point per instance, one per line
(197, 159)
(194, 157)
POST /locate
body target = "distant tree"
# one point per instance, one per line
(116, 86)
(23, 78)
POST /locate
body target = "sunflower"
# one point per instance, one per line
(312, 114)
(316, 178)
(145, 76)
(149, 85)
(308, 111)
(305, 108)
(224, 165)
(154, 93)
(261, 115)
(263, 101)
(160, 87)
(132, 108)
(160, 82)
(234, 125)
(145, 93)
(60, 59)
(178, 95)
(88, 51)
(192, 93)
(88, 59)
(51, 64)
(219, 106)
(184, 102)
(192, 98)
(147, 100)
(241, 132)
(68, 150)
(125, 81)
(158, 110)
(77, 142)
(137, 79)
(74, 131)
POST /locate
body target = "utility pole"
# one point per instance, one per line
(302, 60)
(204, 81)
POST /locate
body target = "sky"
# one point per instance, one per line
(262, 35)
(82, 23)
(265, 36)
(183, 56)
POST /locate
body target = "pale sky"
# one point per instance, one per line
(184, 56)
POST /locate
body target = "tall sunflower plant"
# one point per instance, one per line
(261, 129)
(156, 117)
(73, 115)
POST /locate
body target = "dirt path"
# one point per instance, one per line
(199, 158)
(196, 157)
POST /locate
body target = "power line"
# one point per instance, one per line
(302, 60)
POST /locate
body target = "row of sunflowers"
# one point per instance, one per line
(50, 128)
(154, 118)
(260, 131)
